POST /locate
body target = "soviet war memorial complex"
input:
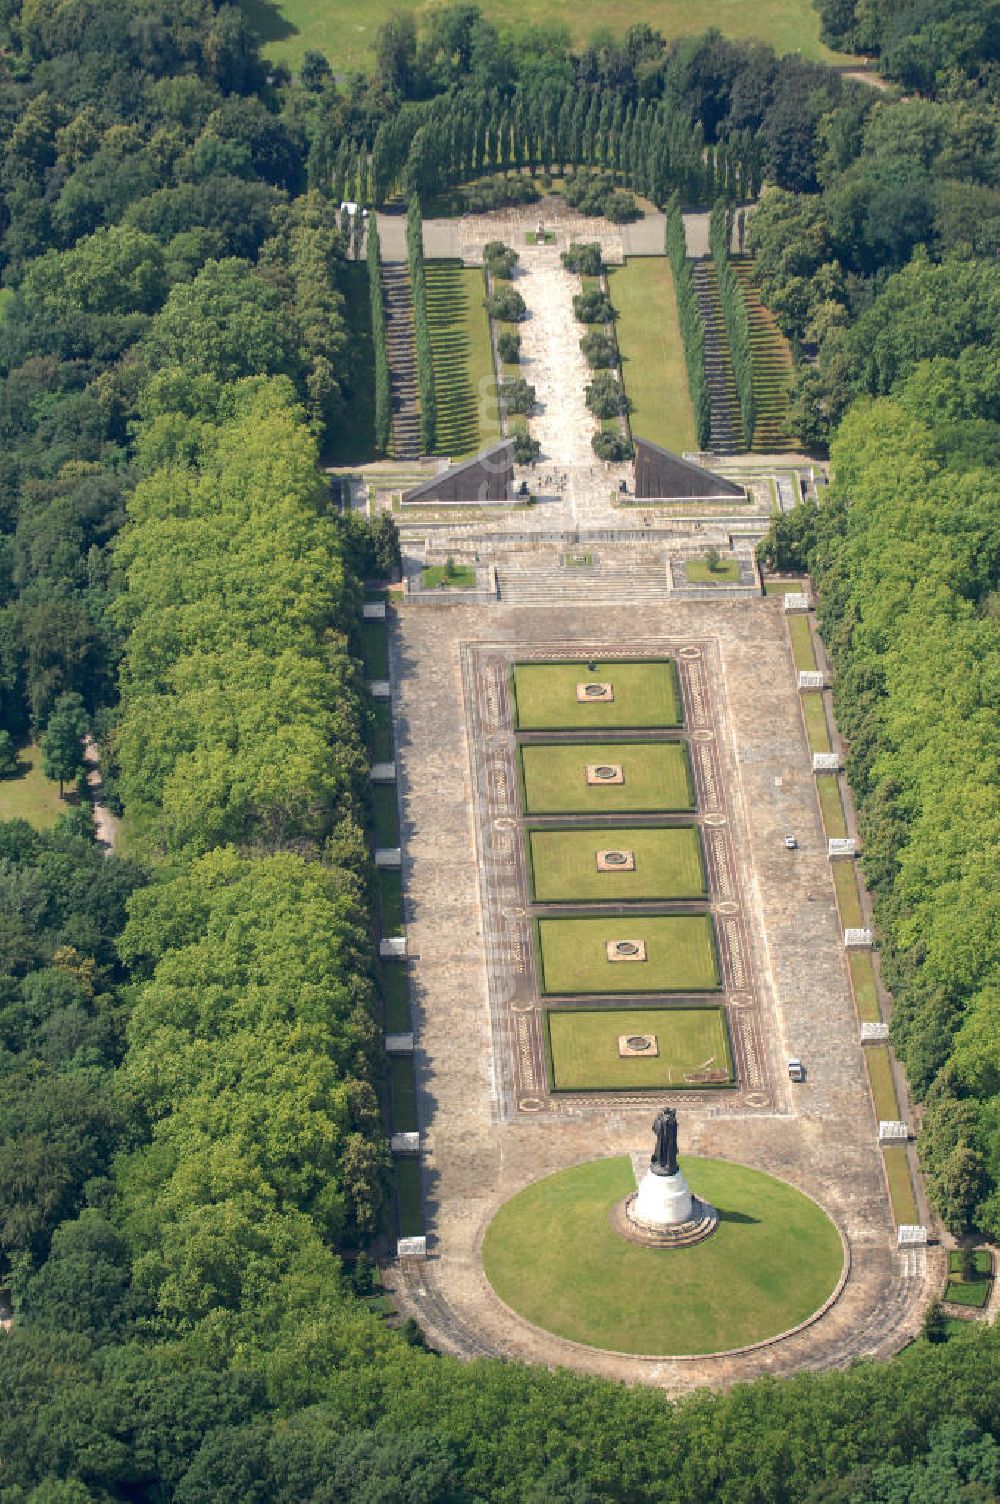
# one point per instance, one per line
(499, 747)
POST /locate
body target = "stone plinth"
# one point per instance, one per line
(626, 950)
(911, 1235)
(599, 694)
(857, 939)
(873, 1033)
(810, 678)
(399, 1044)
(796, 601)
(405, 1143)
(373, 611)
(891, 1131)
(383, 772)
(637, 1045)
(664, 1213)
(616, 861)
(392, 949)
(388, 856)
(662, 1201)
(826, 762)
(604, 772)
(380, 689)
(411, 1248)
(841, 846)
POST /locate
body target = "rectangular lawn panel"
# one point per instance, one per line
(380, 740)
(668, 864)
(396, 991)
(831, 805)
(897, 1174)
(802, 644)
(657, 778)
(883, 1088)
(375, 649)
(409, 1201)
(848, 897)
(583, 1048)
(652, 352)
(386, 815)
(403, 1084)
(464, 381)
(814, 715)
(680, 954)
(645, 695)
(863, 982)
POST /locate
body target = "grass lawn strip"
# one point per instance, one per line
(848, 898)
(31, 796)
(700, 572)
(883, 1090)
(390, 900)
(386, 815)
(396, 990)
(381, 731)
(652, 352)
(863, 982)
(774, 1259)
(645, 695)
(668, 864)
(831, 805)
(375, 649)
(814, 715)
(583, 1046)
(404, 1094)
(409, 1201)
(464, 383)
(657, 777)
(802, 644)
(897, 1171)
(680, 954)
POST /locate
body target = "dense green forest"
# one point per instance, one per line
(191, 1149)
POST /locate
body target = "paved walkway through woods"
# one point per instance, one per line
(104, 821)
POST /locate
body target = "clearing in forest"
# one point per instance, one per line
(346, 32)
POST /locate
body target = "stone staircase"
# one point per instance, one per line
(545, 582)
(396, 294)
(727, 423)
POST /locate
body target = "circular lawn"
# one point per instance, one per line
(551, 1254)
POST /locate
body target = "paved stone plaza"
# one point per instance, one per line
(487, 1120)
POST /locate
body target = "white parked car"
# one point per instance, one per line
(791, 843)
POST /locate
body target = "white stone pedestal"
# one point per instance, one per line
(663, 1200)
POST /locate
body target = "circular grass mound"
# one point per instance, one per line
(551, 1254)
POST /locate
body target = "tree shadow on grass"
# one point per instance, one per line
(266, 21)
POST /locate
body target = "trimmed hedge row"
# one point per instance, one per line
(421, 326)
(734, 311)
(689, 318)
(383, 400)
